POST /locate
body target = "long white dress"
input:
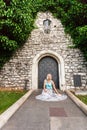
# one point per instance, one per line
(50, 95)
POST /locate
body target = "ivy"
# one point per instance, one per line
(17, 21)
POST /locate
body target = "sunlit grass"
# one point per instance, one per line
(83, 98)
(7, 98)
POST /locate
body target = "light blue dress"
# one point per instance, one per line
(49, 85)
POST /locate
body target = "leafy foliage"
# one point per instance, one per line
(83, 1)
(17, 21)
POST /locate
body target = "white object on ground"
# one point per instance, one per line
(81, 92)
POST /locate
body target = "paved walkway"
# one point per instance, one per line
(39, 115)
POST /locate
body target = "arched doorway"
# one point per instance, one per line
(57, 58)
(47, 65)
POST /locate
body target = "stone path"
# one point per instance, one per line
(39, 115)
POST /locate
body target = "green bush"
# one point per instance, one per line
(17, 21)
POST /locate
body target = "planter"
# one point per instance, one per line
(78, 102)
(4, 117)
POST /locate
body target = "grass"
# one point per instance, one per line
(7, 98)
(82, 98)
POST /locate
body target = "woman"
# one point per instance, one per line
(50, 92)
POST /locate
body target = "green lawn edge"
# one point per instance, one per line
(7, 98)
(83, 98)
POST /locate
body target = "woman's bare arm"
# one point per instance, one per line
(54, 87)
(44, 85)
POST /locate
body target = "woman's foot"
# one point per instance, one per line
(59, 94)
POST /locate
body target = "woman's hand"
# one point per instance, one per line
(45, 90)
(59, 94)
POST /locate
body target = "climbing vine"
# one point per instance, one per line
(17, 21)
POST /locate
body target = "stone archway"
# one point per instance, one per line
(60, 61)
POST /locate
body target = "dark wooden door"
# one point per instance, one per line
(47, 65)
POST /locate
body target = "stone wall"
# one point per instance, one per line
(19, 68)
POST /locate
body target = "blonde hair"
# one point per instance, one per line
(48, 76)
